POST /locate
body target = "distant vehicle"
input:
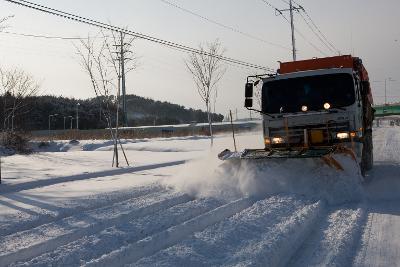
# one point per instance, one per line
(74, 142)
(313, 109)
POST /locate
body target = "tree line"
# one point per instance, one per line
(36, 112)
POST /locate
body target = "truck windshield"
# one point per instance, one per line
(289, 95)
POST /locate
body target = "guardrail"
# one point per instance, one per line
(387, 110)
(149, 131)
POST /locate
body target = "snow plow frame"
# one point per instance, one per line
(325, 153)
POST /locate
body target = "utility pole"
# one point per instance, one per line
(124, 114)
(77, 116)
(389, 79)
(385, 93)
(121, 50)
(122, 59)
(292, 27)
(49, 124)
(121, 85)
(72, 118)
(12, 122)
(291, 9)
(233, 130)
(115, 157)
(50, 117)
(385, 81)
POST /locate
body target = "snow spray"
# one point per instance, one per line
(210, 177)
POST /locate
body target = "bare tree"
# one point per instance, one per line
(207, 70)
(2, 27)
(103, 67)
(3, 21)
(16, 86)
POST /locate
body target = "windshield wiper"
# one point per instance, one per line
(331, 110)
(336, 108)
(259, 111)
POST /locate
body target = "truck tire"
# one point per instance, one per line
(367, 157)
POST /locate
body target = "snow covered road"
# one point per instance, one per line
(71, 209)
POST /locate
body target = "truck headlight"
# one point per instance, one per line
(327, 106)
(343, 135)
(278, 140)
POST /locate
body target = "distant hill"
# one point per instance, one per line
(146, 111)
(141, 111)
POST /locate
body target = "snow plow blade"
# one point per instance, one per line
(324, 153)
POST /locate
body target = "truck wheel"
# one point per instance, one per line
(367, 158)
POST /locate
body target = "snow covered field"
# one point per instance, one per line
(177, 206)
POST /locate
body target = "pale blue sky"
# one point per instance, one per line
(365, 28)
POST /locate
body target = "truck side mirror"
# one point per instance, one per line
(248, 93)
(248, 102)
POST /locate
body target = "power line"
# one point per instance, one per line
(110, 27)
(268, 3)
(315, 25)
(316, 34)
(310, 43)
(222, 25)
(318, 29)
(279, 12)
(44, 36)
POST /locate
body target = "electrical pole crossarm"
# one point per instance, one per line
(291, 9)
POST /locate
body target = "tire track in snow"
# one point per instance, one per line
(94, 246)
(386, 145)
(391, 152)
(46, 217)
(260, 234)
(380, 244)
(85, 176)
(31, 243)
(379, 142)
(170, 236)
(277, 245)
(333, 243)
(362, 253)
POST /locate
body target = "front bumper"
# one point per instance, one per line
(311, 136)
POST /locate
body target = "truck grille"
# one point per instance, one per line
(295, 135)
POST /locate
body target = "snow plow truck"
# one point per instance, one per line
(314, 108)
